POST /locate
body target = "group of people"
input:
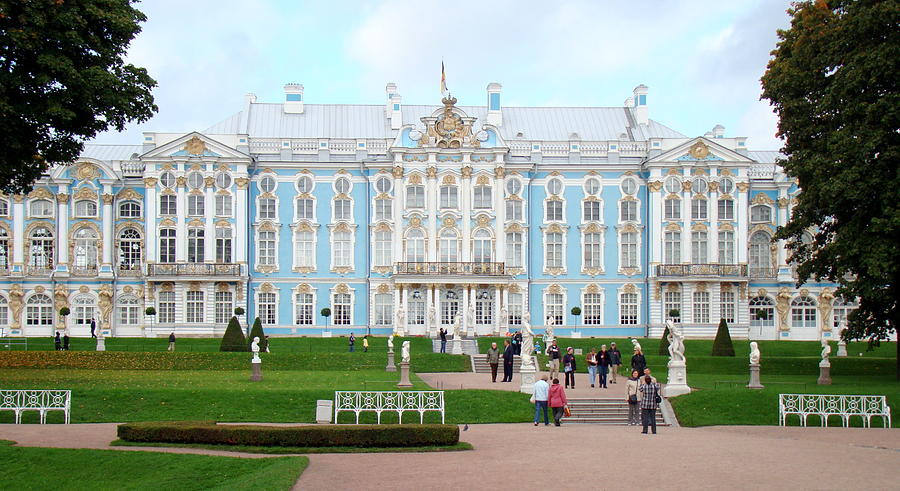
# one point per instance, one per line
(603, 364)
(61, 344)
(642, 393)
(353, 343)
(549, 397)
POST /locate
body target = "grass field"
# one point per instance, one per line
(36, 468)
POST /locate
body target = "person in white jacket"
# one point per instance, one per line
(541, 394)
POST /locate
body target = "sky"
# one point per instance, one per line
(702, 60)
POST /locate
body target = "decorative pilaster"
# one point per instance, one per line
(62, 225)
(240, 213)
(106, 264)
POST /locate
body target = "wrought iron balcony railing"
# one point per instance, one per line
(728, 270)
(763, 272)
(437, 268)
(194, 269)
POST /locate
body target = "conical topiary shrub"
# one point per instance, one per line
(257, 331)
(664, 344)
(233, 340)
(723, 346)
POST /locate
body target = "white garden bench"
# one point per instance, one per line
(42, 401)
(397, 401)
(825, 406)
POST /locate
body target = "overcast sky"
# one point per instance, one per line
(701, 60)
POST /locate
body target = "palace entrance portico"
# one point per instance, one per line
(433, 294)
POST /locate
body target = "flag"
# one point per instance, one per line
(443, 79)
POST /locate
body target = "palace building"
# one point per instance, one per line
(402, 217)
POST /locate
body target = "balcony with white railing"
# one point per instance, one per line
(172, 270)
(451, 268)
(715, 270)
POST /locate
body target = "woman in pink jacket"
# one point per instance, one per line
(557, 400)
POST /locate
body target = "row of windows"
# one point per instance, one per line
(196, 205)
(195, 180)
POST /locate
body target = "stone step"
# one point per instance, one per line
(469, 346)
(480, 364)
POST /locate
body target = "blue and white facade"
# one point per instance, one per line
(402, 217)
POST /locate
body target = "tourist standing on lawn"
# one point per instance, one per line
(352, 342)
(603, 366)
(443, 334)
(553, 353)
(569, 366)
(493, 359)
(557, 400)
(65, 341)
(366, 343)
(638, 362)
(541, 394)
(57, 342)
(509, 354)
(649, 395)
(615, 359)
(631, 396)
(172, 341)
(591, 359)
(517, 342)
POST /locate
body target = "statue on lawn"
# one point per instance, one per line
(457, 327)
(391, 343)
(527, 340)
(254, 347)
(404, 352)
(826, 350)
(754, 353)
(676, 341)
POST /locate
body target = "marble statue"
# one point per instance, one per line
(548, 331)
(504, 317)
(401, 318)
(470, 317)
(404, 352)
(254, 347)
(676, 341)
(457, 327)
(754, 353)
(527, 340)
(391, 343)
(826, 350)
(635, 345)
(432, 316)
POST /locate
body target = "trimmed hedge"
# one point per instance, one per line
(722, 345)
(233, 339)
(664, 343)
(295, 436)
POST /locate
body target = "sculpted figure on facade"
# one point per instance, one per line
(676, 341)
(106, 294)
(432, 316)
(783, 307)
(15, 304)
(457, 327)
(826, 301)
(401, 319)
(504, 318)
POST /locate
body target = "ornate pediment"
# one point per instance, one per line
(448, 129)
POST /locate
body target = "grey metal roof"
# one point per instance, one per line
(765, 156)
(267, 120)
(110, 152)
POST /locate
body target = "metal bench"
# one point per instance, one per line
(825, 406)
(398, 401)
(42, 401)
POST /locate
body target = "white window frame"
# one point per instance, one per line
(561, 254)
(673, 300)
(298, 253)
(383, 209)
(592, 308)
(382, 255)
(194, 307)
(259, 208)
(196, 205)
(629, 312)
(300, 308)
(263, 309)
(168, 204)
(700, 307)
(350, 260)
(129, 309)
(482, 197)
(444, 246)
(130, 205)
(637, 249)
(259, 248)
(382, 309)
(42, 201)
(415, 197)
(804, 313)
(406, 246)
(726, 247)
(558, 310)
(597, 262)
(725, 210)
(561, 210)
(196, 245)
(224, 307)
(699, 247)
(699, 209)
(171, 245)
(514, 260)
(591, 211)
(335, 311)
(42, 313)
(623, 208)
(339, 213)
(166, 308)
(755, 210)
(672, 209)
(728, 306)
(224, 205)
(448, 198)
(224, 245)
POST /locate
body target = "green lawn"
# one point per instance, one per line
(64, 469)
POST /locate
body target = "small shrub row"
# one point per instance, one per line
(296, 436)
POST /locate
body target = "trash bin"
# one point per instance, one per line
(323, 410)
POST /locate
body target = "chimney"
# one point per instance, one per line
(393, 107)
(718, 131)
(293, 99)
(495, 114)
(640, 105)
(250, 98)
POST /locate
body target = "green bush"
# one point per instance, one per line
(722, 345)
(296, 436)
(257, 331)
(233, 340)
(664, 343)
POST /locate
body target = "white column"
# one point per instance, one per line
(150, 218)
(686, 225)
(465, 191)
(398, 301)
(180, 223)
(209, 208)
(240, 213)
(656, 228)
(712, 250)
(107, 226)
(500, 208)
(465, 308)
(498, 295)
(782, 219)
(436, 301)
(18, 230)
(62, 225)
(742, 218)
(431, 197)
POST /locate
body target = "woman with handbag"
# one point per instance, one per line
(631, 395)
(558, 401)
(569, 367)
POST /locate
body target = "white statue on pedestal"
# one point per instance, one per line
(470, 317)
(527, 340)
(754, 353)
(635, 345)
(457, 327)
(432, 316)
(404, 352)
(548, 332)
(401, 318)
(254, 347)
(676, 342)
(504, 319)
(391, 343)
(826, 351)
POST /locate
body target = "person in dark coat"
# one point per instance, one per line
(603, 362)
(172, 341)
(443, 333)
(66, 342)
(569, 367)
(352, 342)
(615, 359)
(638, 362)
(493, 359)
(509, 354)
(57, 342)
(517, 342)
(93, 328)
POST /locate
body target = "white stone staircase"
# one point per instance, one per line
(480, 364)
(469, 346)
(603, 411)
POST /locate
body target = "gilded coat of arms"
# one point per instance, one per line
(449, 130)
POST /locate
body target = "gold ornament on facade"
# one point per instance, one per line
(44, 193)
(725, 172)
(18, 198)
(499, 172)
(699, 150)
(483, 220)
(397, 172)
(62, 198)
(84, 289)
(415, 222)
(195, 146)
(448, 180)
(555, 271)
(239, 291)
(629, 271)
(742, 186)
(762, 292)
(783, 202)
(725, 287)
(762, 199)
(726, 227)
(267, 226)
(304, 288)
(629, 288)
(108, 199)
(105, 304)
(195, 286)
(241, 182)
(655, 186)
(713, 186)
(222, 287)
(181, 181)
(700, 286)
(382, 227)
(514, 227)
(555, 289)
(483, 180)
(415, 178)
(86, 171)
(223, 224)
(342, 288)
(195, 222)
(209, 181)
(449, 222)
(382, 288)
(698, 171)
(39, 289)
(466, 172)
(782, 306)
(196, 166)
(167, 166)
(431, 172)
(699, 227)
(657, 292)
(826, 305)
(150, 182)
(85, 192)
(128, 289)
(592, 288)
(673, 287)
(266, 287)
(342, 269)
(167, 222)
(449, 130)
(686, 185)
(128, 193)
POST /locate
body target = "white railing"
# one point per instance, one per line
(761, 171)
(35, 400)
(823, 405)
(397, 401)
(305, 146)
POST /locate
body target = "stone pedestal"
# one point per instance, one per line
(824, 373)
(754, 377)
(404, 375)
(390, 365)
(326, 334)
(676, 384)
(101, 344)
(256, 374)
(456, 347)
(576, 334)
(529, 374)
(842, 348)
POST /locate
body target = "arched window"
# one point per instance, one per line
(129, 310)
(83, 308)
(39, 310)
(760, 258)
(130, 250)
(40, 258)
(415, 246)
(129, 209)
(4, 311)
(85, 250)
(762, 312)
(842, 309)
(482, 246)
(448, 246)
(760, 214)
(85, 208)
(41, 208)
(803, 312)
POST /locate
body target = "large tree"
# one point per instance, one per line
(63, 80)
(833, 83)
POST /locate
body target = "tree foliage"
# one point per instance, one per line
(722, 345)
(664, 343)
(63, 80)
(257, 331)
(833, 83)
(234, 340)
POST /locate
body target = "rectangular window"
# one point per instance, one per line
(726, 209)
(266, 208)
(628, 309)
(303, 309)
(673, 209)
(266, 306)
(167, 245)
(4, 312)
(223, 245)
(449, 197)
(513, 209)
(672, 302)
(129, 313)
(167, 204)
(383, 246)
(305, 209)
(699, 248)
(729, 307)
(194, 307)
(554, 255)
(341, 209)
(416, 315)
(384, 309)
(672, 248)
(699, 209)
(196, 245)
(554, 308)
(340, 304)
(415, 196)
(224, 307)
(591, 211)
(305, 249)
(760, 213)
(515, 248)
(266, 248)
(629, 211)
(343, 249)
(701, 307)
(482, 198)
(593, 309)
(515, 309)
(593, 251)
(223, 206)
(166, 311)
(554, 210)
(196, 205)
(629, 258)
(384, 209)
(726, 247)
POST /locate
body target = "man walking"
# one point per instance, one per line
(509, 354)
(58, 342)
(352, 342)
(93, 327)
(615, 359)
(649, 404)
(541, 394)
(65, 341)
(553, 353)
(172, 341)
(366, 343)
(443, 333)
(493, 358)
